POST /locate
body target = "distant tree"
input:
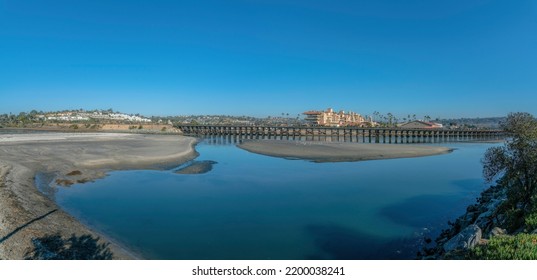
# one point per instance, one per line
(390, 118)
(376, 115)
(516, 165)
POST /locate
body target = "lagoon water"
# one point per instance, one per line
(251, 206)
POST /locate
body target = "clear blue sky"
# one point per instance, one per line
(443, 58)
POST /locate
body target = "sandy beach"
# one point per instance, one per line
(28, 219)
(337, 152)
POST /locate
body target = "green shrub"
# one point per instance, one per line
(531, 222)
(506, 247)
(515, 219)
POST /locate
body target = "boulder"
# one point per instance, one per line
(497, 231)
(500, 219)
(472, 208)
(197, 167)
(485, 219)
(466, 239)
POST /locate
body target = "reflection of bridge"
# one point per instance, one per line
(353, 134)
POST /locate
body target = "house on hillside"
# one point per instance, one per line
(420, 124)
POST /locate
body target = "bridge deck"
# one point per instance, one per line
(370, 135)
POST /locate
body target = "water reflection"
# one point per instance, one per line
(236, 139)
(343, 243)
(251, 206)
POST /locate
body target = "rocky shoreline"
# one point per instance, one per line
(481, 222)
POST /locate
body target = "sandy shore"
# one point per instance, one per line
(337, 152)
(26, 215)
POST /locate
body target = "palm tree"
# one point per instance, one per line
(390, 118)
(376, 115)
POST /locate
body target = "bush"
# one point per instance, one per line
(519, 247)
(514, 219)
(531, 222)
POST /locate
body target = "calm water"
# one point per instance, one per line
(256, 207)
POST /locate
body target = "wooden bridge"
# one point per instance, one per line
(354, 134)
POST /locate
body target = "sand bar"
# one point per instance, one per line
(338, 152)
(26, 214)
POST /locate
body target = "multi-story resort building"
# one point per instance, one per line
(332, 118)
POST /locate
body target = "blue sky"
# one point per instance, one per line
(445, 58)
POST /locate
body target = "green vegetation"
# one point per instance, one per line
(473, 123)
(531, 222)
(506, 247)
(515, 167)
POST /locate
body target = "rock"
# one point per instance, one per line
(64, 182)
(500, 219)
(197, 167)
(485, 219)
(472, 208)
(497, 231)
(74, 173)
(466, 239)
